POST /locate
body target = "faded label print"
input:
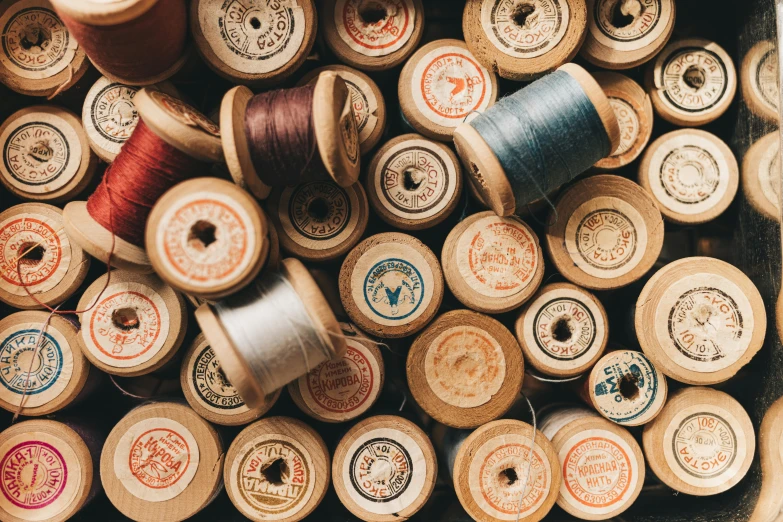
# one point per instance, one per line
(393, 289)
(627, 367)
(109, 114)
(210, 385)
(358, 28)
(692, 79)
(525, 30)
(629, 124)
(646, 21)
(766, 79)
(576, 317)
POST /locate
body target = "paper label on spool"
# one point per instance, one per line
(343, 388)
(465, 366)
(376, 28)
(41, 476)
(415, 179)
(647, 21)
(209, 385)
(704, 322)
(363, 101)
(127, 327)
(600, 471)
(156, 459)
(705, 445)
(765, 80)
(392, 284)
(279, 499)
(183, 113)
(30, 236)
(41, 153)
(449, 86)
(564, 329)
(630, 126)
(318, 214)
(606, 237)
(109, 114)
(626, 388)
(525, 30)
(769, 173)
(493, 466)
(497, 256)
(36, 44)
(254, 36)
(386, 470)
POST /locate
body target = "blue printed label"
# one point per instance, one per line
(29, 368)
(393, 289)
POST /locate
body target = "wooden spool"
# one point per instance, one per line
(318, 220)
(46, 155)
(187, 453)
(691, 174)
(207, 237)
(384, 469)
(522, 41)
(391, 285)
(492, 264)
(414, 183)
(634, 112)
(346, 387)
(465, 369)
(625, 34)
(335, 132)
(256, 43)
(483, 166)
(760, 82)
(441, 86)
(702, 443)
(58, 60)
(626, 387)
(369, 107)
(52, 267)
(700, 320)
(278, 469)
(44, 448)
(210, 393)
(761, 176)
(691, 82)
(770, 503)
(137, 325)
(372, 36)
(602, 464)
(180, 126)
(109, 117)
(563, 330)
(607, 232)
(491, 465)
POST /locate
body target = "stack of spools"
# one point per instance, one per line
(399, 257)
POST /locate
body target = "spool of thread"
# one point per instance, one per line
(702, 443)
(39, 448)
(391, 285)
(691, 82)
(634, 113)
(602, 464)
(319, 220)
(691, 174)
(441, 86)
(162, 462)
(563, 330)
(384, 469)
(537, 139)
(33, 243)
(760, 80)
(275, 452)
(626, 387)
(626, 33)
(46, 156)
(172, 142)
(290, 136)
(761, 176)
(137, 42)
(465, 369)
(606, 232)
(344, 388)
(372, 36)
(369, 107)
(38, 56)
(273, 332)
(770, 502)
(523, 40)
(492, 264)
(136, 326)
(700, 320)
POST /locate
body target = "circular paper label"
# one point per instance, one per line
(627, 389)
(109, 114)
(645, 22)
(184, 113)
(363, 101)
(209, 385)
(319, 214)
(156, 459)
(766, 81)
(525, 29)
(630, 126)
(376, 28)
(769, 173)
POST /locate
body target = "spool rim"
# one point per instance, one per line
(751, 164)
(747, 82)
(100, 13)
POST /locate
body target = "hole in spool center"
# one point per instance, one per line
(125, 319)
(629, 386)
(40, 151)
(255, 23)
(318, 209)
(275, 472)
(508, 476)
(201, 235)
(694, 77)
(561, 329)
(412, 178)
(625, 12)
(372, 13)
(34, 36)
(522, 14)
(30, 254)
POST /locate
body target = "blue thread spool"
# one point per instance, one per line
(537, 139)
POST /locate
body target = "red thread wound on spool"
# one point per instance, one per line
(145, 168)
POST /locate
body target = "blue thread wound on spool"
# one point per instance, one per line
(544, 135)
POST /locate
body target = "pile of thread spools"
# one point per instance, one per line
(369, 259)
